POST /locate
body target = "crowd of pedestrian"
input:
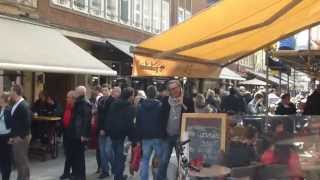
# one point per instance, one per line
(144, 118)
(150, 119)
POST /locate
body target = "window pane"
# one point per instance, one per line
(137, 13)
(97, 7)
(64, 3)
(80, 5)
(147, 13)
(188, 10)
(181, 8)
(165, 14)
(156, 16)
(125, 11)
(112, 10)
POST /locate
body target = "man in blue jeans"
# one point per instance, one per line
(120, 125)
(172, 108)
(148, 128)
(105, 144)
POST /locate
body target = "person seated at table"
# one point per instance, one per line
(242, 151)
(53, 107)
(286, 155)
(40, 106)
(278, 152)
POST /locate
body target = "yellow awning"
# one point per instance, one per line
(226, 32)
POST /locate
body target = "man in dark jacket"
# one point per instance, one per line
(105, 145)
(173, 107)
(120, 120)
(79, 132)
(148, 129)
(313, 103)
(20, 132)
(233, 103)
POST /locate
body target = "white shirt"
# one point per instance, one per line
(3, 127)
(15, 106)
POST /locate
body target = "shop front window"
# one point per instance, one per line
(64, 3)
(80, 5)
(125, 11)
(156, 20)
(147, 15)
(137, 13)
(112, 10)
(97, 8)
(165, 15)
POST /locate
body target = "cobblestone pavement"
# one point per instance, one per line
(52, 169)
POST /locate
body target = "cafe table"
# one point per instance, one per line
(51, 147)
(212, 172)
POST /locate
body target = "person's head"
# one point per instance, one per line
(4, 99)
(42, 96)
(285, 98)
(210, 93)
(152, 92)
(50, 99)
(251, 134)
(162, 91)
(128, 94)
(200, 101)
(242, 89)
(96, 90)
(175, 88)
(105, 90)
(116, 92)
(258, 96)
(71, 97)
(80, 91)
(217, 91)
(233, 91)
(16, 92)
(279, 127)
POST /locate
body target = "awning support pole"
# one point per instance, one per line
(280, 81)
(288, 79)
(267, 87)
(267, 93)
(294, 81)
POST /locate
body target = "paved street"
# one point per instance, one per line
(52, 169)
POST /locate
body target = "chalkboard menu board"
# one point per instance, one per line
(207, 133)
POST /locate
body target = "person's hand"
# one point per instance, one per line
(83, 139)
(11, 141)
(14, 140)
(102, 133)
